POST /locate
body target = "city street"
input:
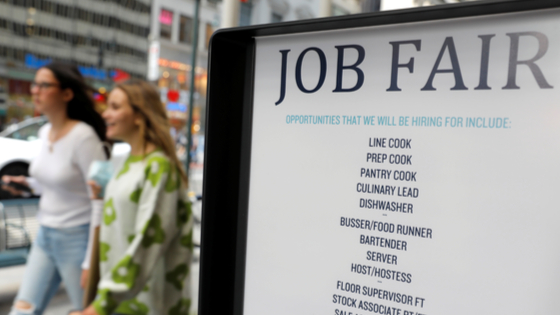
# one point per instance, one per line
(10, 277)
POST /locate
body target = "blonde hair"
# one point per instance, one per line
(155, 126)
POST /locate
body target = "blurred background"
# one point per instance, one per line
(163, 41)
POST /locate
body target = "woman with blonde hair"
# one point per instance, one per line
(146, 229)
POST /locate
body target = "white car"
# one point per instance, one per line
(19, 145)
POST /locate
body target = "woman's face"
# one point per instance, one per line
(122, 122)
(47, 95)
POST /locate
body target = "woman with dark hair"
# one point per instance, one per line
(70, 142)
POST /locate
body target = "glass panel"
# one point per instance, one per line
(276, 18)
(165, 22)
(209, 32)
(245, 14)
(28, 133)
(185, 29)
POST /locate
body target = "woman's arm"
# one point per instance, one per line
(19, 189)
(89, 150)
(96, 213)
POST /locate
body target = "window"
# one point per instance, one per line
(47, 6)
(24, 30)
(28, 133)
(97, 19)
(81, 40)
(19, 55)
(245, 13)
(337, 11)
(371, 5)
(61, 9)
(7, 52)
(116, 23)
(165, 22)
(185, 29)
(105, 19)
(209, 32)
(276, 18)
(18, 29)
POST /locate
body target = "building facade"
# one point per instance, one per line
(107, 39)
(273, 11)
(172, 39)
(404, 4)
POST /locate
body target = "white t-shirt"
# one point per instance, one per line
(62, 174)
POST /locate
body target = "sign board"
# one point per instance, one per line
(398, 163)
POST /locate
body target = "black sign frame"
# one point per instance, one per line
(228, 136)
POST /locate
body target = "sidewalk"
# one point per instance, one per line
(10, 279)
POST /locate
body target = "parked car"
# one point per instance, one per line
(19, 145)
(26, 130)
(15, 156)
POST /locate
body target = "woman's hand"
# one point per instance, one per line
(84, 278)
(95, 189)
(90, 311)
(16, 179)
(6, 179)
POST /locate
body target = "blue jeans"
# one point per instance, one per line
(56, 255)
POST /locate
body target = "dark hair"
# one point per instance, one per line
(81, 106)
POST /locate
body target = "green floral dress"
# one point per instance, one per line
(145, 240)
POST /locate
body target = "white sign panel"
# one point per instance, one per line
(407, 169)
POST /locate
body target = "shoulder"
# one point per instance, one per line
(158, 167)
(153, 165)
(84, 135)
(85, 143)
(157, 161)
(83, 130)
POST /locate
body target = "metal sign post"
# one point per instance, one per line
(192, 86)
